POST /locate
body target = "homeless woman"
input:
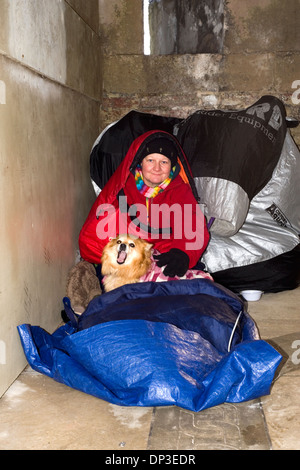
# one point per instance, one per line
(151, 195)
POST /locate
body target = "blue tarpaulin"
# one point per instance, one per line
(188, 343)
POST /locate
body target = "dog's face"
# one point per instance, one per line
(124, 253)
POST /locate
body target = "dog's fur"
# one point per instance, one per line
(82, 286)
(125, 260)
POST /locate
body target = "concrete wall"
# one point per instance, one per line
(50, 93)
(260, 55)
(186, 27)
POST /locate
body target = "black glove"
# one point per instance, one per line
(176, 262)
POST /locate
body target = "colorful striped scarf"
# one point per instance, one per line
(146, 190)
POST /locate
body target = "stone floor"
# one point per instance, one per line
(37, 413)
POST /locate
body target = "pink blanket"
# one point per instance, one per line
(156, 274)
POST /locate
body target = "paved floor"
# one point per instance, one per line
(38, 413)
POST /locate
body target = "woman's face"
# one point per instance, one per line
(155, 168)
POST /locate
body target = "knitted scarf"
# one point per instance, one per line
(146, 190)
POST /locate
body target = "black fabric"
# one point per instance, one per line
(275, 275)
(176, 262)
(114, 144)
(240, 146)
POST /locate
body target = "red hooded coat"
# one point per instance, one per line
(173, 218)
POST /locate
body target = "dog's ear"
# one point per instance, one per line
(148, 246)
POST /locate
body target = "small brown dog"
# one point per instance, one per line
(125, 260)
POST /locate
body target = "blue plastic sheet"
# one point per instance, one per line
(189, 343)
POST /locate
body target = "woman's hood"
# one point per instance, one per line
(129, 163)
(141, 142)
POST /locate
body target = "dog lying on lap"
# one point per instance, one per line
(127, 260)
